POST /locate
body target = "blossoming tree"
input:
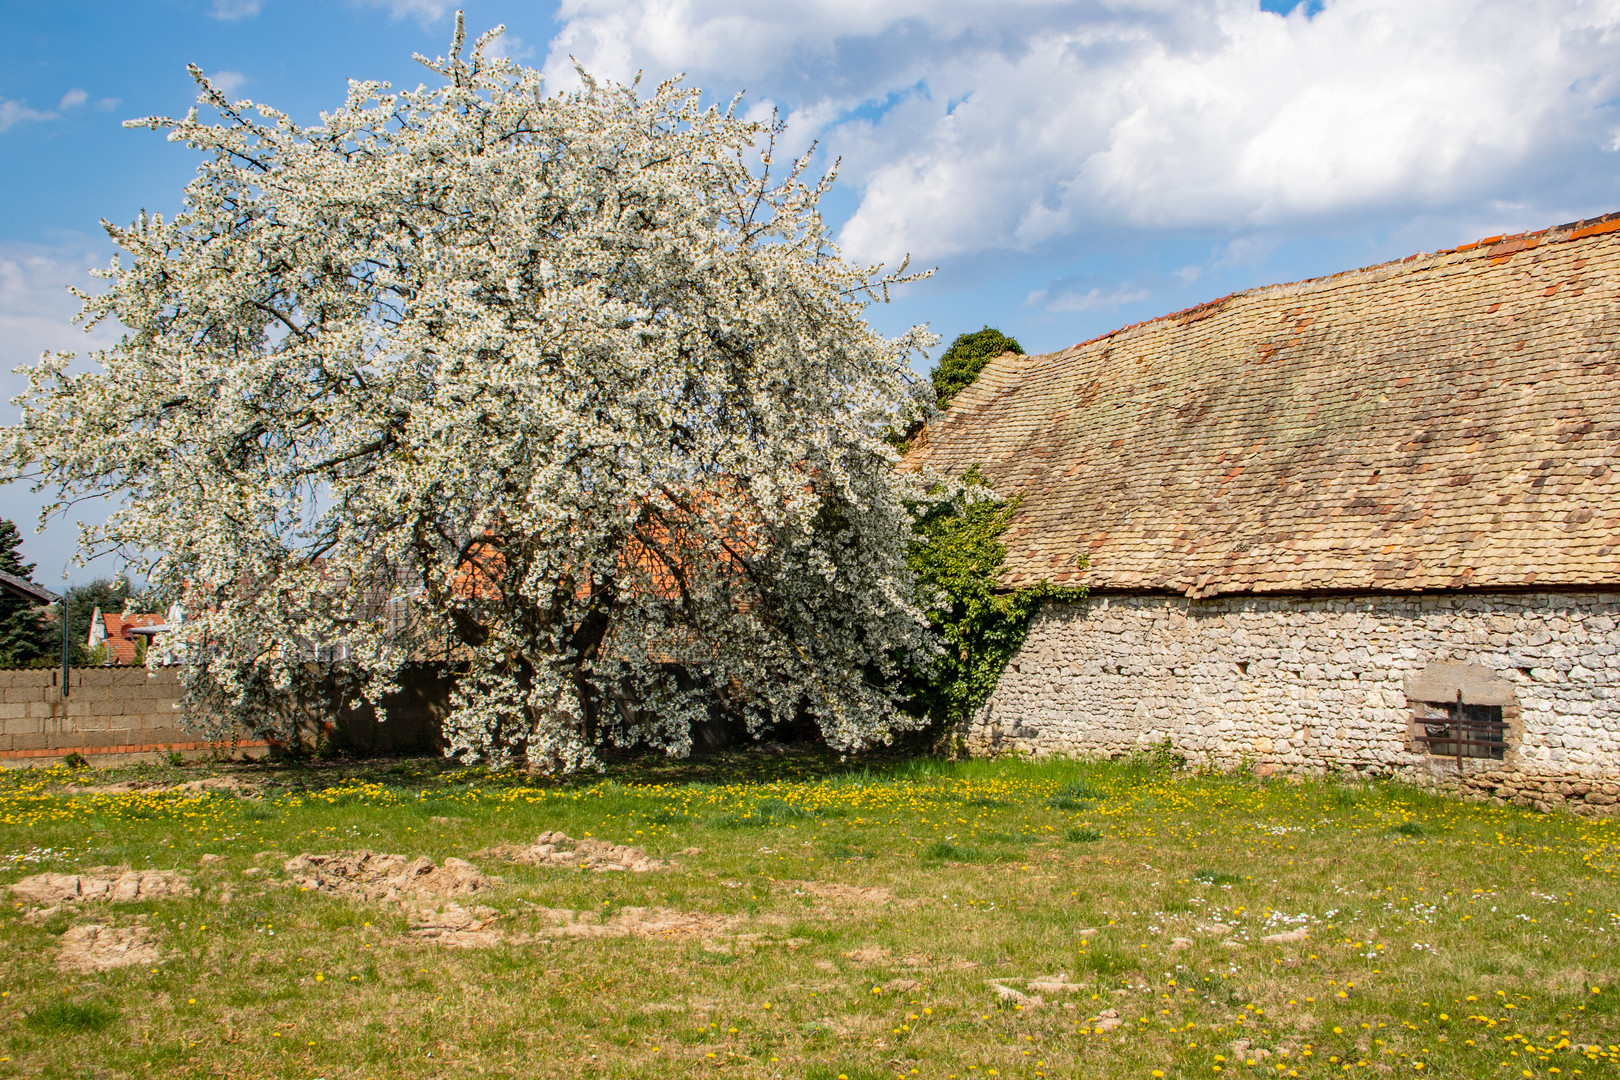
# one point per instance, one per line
(568, 388)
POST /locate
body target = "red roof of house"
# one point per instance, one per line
(120, 642)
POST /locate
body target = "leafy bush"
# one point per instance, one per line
(966, 357)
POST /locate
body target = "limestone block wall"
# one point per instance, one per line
(1307, 684)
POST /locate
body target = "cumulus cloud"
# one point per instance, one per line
(13, 113)
(36, 306)
(1063, 296)
(969, 128)
(512, 47)
(423, 11)
(232, 10)
(73, 99)
(228, 82)
(36, 315)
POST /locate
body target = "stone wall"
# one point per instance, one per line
(1307, 684)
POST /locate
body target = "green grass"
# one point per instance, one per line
(59, 1018)
(1478, 942)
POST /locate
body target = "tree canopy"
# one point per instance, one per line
(962, 362)
(26, 636)
(571, 389)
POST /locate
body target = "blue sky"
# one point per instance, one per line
(1068, 167)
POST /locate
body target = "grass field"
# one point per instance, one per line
(831, 924)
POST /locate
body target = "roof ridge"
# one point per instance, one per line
(1499, 246)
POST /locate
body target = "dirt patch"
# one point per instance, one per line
(873, 955)
(101, 948)
(559, 849)
(837, 894)
(1014, 997)
(371, 875)
(451, 924)
(232, 785)
(118, 887)
(1053, 984)
(635, 922)
(235, 785)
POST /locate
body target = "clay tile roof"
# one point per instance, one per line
(120, 642)
(1444, 421)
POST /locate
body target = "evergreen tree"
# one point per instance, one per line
(966, 357)
(26, 634)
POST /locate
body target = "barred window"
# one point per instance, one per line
(1457, 729)
(1461, 711)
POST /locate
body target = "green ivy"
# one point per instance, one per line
(957, 560)
(966, 357)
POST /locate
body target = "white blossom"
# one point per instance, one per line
(565, 389)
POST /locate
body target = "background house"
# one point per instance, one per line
(1366, 521)
(115, 637)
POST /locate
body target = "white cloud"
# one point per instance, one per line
(235, 9)
(228, 82)
(73, 99)
(969, 127)
(36, 315)
(423, 11)
(36, 308)
(107, 104)
(15, 112)
(512, 47)
(1061, 297)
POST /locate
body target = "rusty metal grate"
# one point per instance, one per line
(1459, 730)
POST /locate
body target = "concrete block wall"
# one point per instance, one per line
(122, 713)
(1310, 683)
(108, 713)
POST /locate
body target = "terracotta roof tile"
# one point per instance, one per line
(120, 642)
(1441, 421)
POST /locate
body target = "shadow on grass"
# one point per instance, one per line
(70, 1018)
(943, 851)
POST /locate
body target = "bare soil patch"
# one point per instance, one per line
(559, 849)
(233, 785)
(636, 922)
(370, 875)
(100, 948)
(838, 894)
(873, 955)
(454, 925)
(117, 887)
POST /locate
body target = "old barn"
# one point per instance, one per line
(1368, 521)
